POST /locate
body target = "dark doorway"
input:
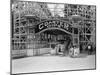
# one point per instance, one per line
(54, 37)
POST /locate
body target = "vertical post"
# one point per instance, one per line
(78, 39)
(73, 35)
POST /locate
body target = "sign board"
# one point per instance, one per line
(53, 24)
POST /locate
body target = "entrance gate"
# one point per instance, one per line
(58, 25)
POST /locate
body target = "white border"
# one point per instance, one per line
(5, 37)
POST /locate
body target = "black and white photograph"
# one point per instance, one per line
(52, 37)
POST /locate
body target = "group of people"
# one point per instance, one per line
(70, 50)
(74, 51)
(62, 49)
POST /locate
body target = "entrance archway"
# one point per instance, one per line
(54, 37)
(55, 33)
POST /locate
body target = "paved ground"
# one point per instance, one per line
(52, 63)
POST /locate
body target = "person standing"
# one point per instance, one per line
(76, 51)
(90, 49)
(71, 51)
